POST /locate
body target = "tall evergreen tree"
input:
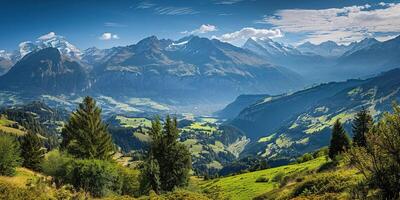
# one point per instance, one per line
(339, 141)
(85, 135)
(173, 158)
(361, 125)
(9, 154)
(32, 151)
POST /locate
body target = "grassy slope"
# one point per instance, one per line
(3, 127)
(244, 186)
(21, 178)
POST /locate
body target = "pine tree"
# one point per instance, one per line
(9, 154)
(85, 135)
(361, 125)
(32, 151)
(339, 141)
(150, 176)
(172, 157)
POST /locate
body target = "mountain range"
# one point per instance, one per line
(186, 71)
(189, 71)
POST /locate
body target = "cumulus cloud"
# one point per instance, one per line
(342, 25)
(108, 36)
(204, 28)
(242, 35)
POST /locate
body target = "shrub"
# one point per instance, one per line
(285, 180)
(262, 179)
(9, 155)
(306, 157)
(278, 177)
(182, 195)
(321, 152)
(327, 166)
(94, 176)
(54, 165)
(130, 181)
(326, 183)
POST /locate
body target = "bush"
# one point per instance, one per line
(262, 179)
(9, 155)
(181, 195)
(38, 190)
(321, 152)
(304, 158)
(95, 176)
(130, 181)
(326, 183)
(327, 166)
(54, 165)
(278, 177)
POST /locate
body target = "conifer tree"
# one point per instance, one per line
(339, 141)
(9, 154)
(32, 151)
(85, 135)
(172, 157)
(361, 125)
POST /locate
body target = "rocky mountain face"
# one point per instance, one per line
(45, 71)
(240, 103)
(192, 68)
(5, 62)
(329, 61)
(326, 49)
(373, 59)
(294, 124)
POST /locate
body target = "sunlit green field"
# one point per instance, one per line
(244, 186)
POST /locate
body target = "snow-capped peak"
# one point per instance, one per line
(47, 36)
(5, 54)
(50, 40)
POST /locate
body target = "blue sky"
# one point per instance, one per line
(111, 23)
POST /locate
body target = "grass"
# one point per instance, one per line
(21, 178)
(320, 123)
(198, 126)
(4, 122)
(133, 122)
(267, 138)
(244, 186)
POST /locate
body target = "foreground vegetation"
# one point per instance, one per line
(84, 165)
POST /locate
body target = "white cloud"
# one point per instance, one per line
(204, 28)
(166, 10)
(108, 36)
(239, 37)
(145, 5)
(114, 24)
(171, 10)
(227, 2)
(342, 25)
